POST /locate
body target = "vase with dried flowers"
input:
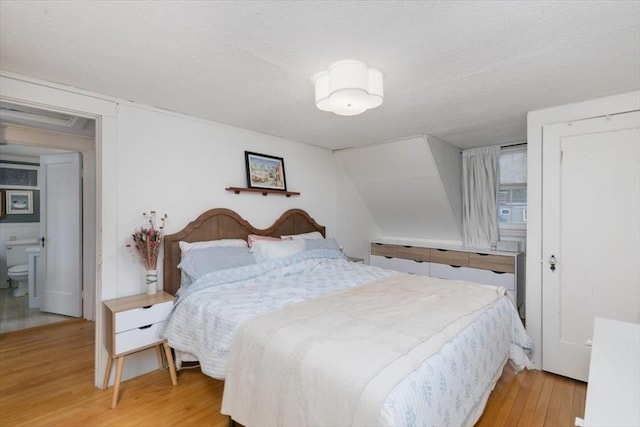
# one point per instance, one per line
(146, 241)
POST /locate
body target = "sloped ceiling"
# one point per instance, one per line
(466, 72)
(406, 193)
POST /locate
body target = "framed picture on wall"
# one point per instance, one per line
(265, 171)
(19, 202)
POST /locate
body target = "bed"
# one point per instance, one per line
(305, 337)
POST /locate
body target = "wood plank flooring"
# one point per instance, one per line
(46, 379)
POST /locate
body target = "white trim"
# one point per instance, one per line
(46, 95)
(536, 120)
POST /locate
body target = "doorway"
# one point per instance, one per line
(590, 212)
(27, 133)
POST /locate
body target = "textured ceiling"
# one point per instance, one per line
(466, 72)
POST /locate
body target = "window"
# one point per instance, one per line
(512, 196)
(21, 176)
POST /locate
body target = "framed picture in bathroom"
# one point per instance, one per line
(19, 202)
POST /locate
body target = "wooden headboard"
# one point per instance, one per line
(222, 223)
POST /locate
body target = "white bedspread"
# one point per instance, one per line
(209, 311)
(334, 360)
(449, 388)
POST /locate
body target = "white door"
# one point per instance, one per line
(591, 228)
(61, 231)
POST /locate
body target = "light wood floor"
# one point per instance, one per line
(46, 379)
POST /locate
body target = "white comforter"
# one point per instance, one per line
(209, 311)
(449, 388)
(332, 361)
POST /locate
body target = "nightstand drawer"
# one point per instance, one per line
(137, 317)
(137, 338)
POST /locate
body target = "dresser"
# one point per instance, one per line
(506, 269)
(133, 324)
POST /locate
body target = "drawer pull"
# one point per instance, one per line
(418, 261)
(408, 247)
(497, 272)
(379, 244)
(147, 306)
(443, 250)
(145, 327)
(388, 257)
(455, 266)
(477, 253)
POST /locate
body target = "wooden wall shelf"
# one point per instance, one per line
(263, 191)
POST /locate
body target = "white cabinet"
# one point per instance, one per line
(504, 269)
(134, 324)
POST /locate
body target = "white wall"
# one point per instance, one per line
(355, 224)
(153, 159)
(536, 260)
(180, 166)
(402, 187)
(448, 160)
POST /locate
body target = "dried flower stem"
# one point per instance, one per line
(147, 240)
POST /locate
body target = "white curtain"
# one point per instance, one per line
(480, 181)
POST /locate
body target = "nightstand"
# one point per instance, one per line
(133, 324)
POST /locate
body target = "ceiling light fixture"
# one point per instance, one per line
(348, 88)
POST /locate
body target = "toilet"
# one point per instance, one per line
(19, 275)
(17, 263)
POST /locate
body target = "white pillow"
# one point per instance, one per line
(265, 250)
(238, 243)
(311, 235)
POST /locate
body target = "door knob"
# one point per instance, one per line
(552, 262)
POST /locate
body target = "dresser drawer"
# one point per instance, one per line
(383, 249)
(420, 268)
(137, 338)
(499, 263)
(445, 271)
(488, 277)
(399, 264)
(475, 275)
(414, 253)
(137, 317)
(382, 261)
(455, 258)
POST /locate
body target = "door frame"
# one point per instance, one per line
(536, 120)
(34, 137)
(49, 96)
